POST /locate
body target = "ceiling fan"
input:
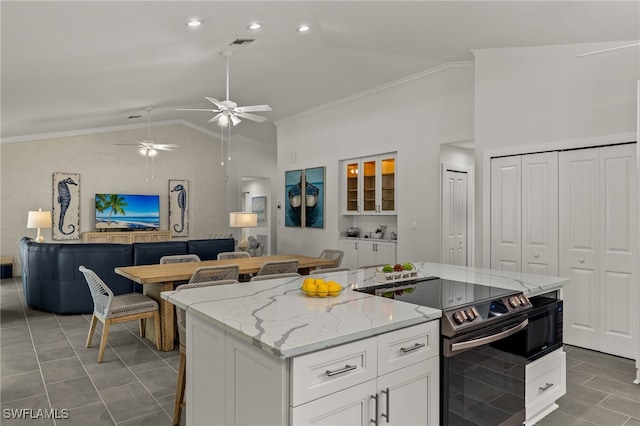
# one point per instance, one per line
(228, 110)
(149, 147)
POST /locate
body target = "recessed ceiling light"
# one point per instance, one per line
(255, 26)
(303, 28)
(193, 23)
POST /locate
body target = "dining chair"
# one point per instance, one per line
(179, 258)
(233, 255)
(215, 273)
(278, 267)
(181, 320)
(275, 276)
(110, 309)
(327, 270)
(332, 254)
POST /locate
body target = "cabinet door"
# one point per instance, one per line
(350, 249)
(366, 253)
(142, 237)
(540, 213)
(385, 252)
(506, 214)
(370, 183)
(387, 191)
(351, 180)
(410, 396)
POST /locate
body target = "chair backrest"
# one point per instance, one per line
(232, 255)
(100, 292)
(327, 270)
(180, 258)
(278, 267)
(275, 276)
(215, 273)
(181, 317)
(333, 254)
(257, 250)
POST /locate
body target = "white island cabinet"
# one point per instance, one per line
(264, 353)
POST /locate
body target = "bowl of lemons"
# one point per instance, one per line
(318, 287)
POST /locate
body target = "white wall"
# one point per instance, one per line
(540, 98)
(27, 169)
(413, 118)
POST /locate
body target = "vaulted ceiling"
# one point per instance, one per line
(70, 65)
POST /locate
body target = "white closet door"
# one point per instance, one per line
(540, 213)
(579, 242)
(454, 218)
(618, 248)
(506, 214)
(598, 248)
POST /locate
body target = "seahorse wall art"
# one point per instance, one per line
(66, 200)
(178, 215)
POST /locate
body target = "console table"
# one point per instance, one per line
(126, 237)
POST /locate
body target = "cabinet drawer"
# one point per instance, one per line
(406, 346)
(546, 381)
(330, 370)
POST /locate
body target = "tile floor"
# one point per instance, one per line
(44, 365)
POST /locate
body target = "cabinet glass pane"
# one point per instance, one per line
(352, 187)
(369, 186)
(388, 196)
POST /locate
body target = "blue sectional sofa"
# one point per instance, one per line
(52, 282)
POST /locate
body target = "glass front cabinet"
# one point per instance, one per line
(369, 185)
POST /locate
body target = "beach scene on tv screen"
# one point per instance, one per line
(124, 211)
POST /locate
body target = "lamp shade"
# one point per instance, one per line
(243, 220)
(39, 219)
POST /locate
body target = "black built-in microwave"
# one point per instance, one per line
(544, 332)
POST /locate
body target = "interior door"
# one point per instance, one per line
(540, 213)
(506, 213)
(454, 217)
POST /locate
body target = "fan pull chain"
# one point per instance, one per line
(221, 146)
(229, 144)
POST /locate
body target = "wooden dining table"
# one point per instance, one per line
(161, 277)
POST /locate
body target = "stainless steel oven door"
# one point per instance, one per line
(481, 383)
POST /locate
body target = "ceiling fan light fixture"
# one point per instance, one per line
(223, 121)
(303, 28)
(254, 26)
(194, 23)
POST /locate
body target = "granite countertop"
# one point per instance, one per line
(276, 316)
(279, 318)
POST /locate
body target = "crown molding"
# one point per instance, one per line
(403, 80)
(97, 130)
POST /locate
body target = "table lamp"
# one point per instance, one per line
(243, 220)
(39, 220)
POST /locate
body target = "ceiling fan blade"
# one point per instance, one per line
(215, 117)
(216, 103)
(251, 117)
(234, 119)
(197, 109)
(127, 144)
(254, 108)
(166, 146)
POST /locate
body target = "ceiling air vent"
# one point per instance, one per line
(242, 41)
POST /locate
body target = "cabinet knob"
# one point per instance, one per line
(581, 260)
(536, 255)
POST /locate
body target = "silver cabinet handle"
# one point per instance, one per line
(375, 420)
(545, 387)
(341, 370)
(387, 393)
(486, 340)
(413, 348)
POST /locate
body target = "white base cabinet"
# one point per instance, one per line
(545, 383)
(394, 376)
(367, 252)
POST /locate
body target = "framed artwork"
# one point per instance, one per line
(258, 205)
(293, 198)
(304, 205)
(66, 206)
(179, 207)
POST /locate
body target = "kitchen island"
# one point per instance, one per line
(265, 353)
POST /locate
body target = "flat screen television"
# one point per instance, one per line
(127, 212)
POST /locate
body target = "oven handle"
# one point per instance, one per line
(488, 339)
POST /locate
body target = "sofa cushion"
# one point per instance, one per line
(150, 253)
(209, 249)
